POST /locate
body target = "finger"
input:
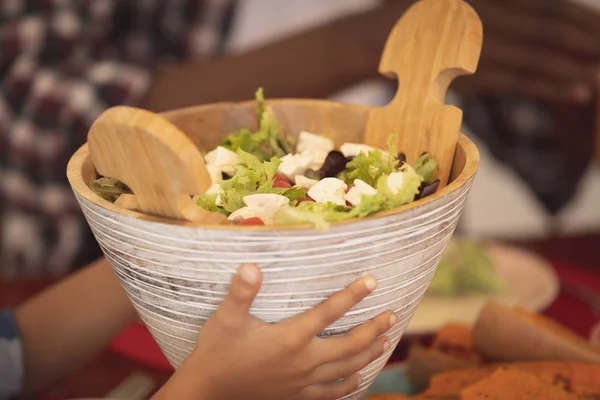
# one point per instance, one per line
(347, 367)
(333, 390)
(242, 292)
(539, 61)
(315, 320)
(499, 81)
(340, 347)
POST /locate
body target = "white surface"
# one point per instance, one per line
(532, 284)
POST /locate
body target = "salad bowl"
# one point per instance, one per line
(177, 272)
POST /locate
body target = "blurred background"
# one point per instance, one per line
(532, 109)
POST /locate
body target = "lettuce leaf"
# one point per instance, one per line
(427, 167)
(318, 214)
(269, 141)
(321, 215)
(251, 176)
(410, 188)
(370, 167)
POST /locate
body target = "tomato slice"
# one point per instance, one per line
(281, 184)
(251, 221)
(279, 176)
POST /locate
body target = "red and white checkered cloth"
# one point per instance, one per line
(63, 62)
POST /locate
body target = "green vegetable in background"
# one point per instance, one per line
(466, 267)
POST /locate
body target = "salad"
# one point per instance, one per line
(268, 178)
(466, 267)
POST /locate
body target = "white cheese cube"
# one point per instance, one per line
(304, 182)
(310, 142)
(215, 173)
(329, 190)
(395, 181)
(218, 190)
(223, 159)
(294, 164)
(269, 202)
(353, 149)
(360, 188)
(247, 212)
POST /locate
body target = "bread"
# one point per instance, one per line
(456, 340)
(582, 379)
(422, 363)
(514, 384)
(505, 334)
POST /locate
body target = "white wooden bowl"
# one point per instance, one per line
(176, 273)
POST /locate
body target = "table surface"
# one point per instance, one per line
(108, 370)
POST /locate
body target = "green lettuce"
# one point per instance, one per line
(109, 188)
(321, 215)
(427, 167)
(466, 267)
(371, 166)
(268, 142)
(251, 176)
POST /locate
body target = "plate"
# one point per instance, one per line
(531, 280)
(392, 379)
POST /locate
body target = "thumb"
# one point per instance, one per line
(242, 292)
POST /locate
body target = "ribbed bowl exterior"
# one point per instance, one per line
(176, 275)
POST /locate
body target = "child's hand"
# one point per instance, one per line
(241, 357)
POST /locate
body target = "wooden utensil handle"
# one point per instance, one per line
(159, 163)
(433, 43)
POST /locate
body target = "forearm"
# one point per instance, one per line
(312, 64)
(63, 327)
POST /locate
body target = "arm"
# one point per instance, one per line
(316, 63)
(63, 327)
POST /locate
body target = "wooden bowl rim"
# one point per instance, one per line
(81, 156)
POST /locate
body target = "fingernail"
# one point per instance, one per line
(359, 379)
(581, 92)
(393, 319)
(386, 345)
(249, 274)
(371, 283)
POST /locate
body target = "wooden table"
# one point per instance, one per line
(108, 370)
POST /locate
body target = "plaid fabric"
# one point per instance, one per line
(62, 62)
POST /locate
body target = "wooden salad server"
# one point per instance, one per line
(432, 44)
(158, 162)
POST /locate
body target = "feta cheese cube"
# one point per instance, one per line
(223, 159)
(247, 212)
(360, 188)
(295, 164)
(218, 190)
(304, 182)
(353, 149)
(329, 190)
(395, 181)
(215, 173)
(310, 142)
(266, 201)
